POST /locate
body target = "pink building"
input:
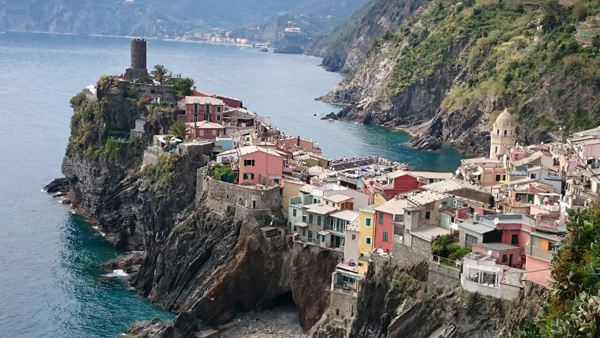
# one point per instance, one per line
(260, 166)
(229, 101)
(199, 108)
(205, 130)
(389, 218)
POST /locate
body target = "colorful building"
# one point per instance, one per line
(388, 216)
(260, 166)
(200, 108)
(205, 130)
(366, 237)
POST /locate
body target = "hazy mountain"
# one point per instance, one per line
(158, 17)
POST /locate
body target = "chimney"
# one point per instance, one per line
(298, 142)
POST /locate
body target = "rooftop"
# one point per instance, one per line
(203, 100)
(354, 225)
(430, 232)
(450, 185)
(321, 209)
(475, 227)
(347, 215)
(252, 149)
(337, 198)
(420, 174)
(204, 125)
(395, 206)
(426, 197)
(496, 246)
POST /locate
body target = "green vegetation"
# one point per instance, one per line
(160, 72)
(83, 131)
(161, 174)
(183, 86)
(223, 172)
(178, 129)
(573, 310)
(132, 93)
(503, 50)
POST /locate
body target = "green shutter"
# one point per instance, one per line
(385, 236)
(368, 222)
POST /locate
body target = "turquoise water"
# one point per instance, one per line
(49, 283)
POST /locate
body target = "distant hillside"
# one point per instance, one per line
(455, 64)
(346, 47)
(157, 17)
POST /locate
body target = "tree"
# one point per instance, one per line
(159, 73)
(178, 129)
(552, 10)
(186, 85)
(596, 41)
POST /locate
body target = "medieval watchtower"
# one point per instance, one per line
(138, 68)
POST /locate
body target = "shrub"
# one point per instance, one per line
(462, 252)
(453, 248)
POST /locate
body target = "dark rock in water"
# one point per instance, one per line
(330, 116)
(66, 201)
(264, 50)
(60, 185)
(426, 142)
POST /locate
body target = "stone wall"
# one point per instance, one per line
(442, 276)
(165, 92)
(404, 256)
(341, 305)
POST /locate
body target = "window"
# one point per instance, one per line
(504, 259)
(428, 215)
(201, 132)
(309, 234)
(532, 176)
(208, 108)
(318, 219)
(195, 108)
(470, 240)
(218, 109)
(304, 219)
(497, 133)
(505, 132)
(253, 204)
(218, 117)
(195, 117)
(310, 218)
(497, 178)
(385, 236)
(514, 239)
(368, 222)
(504, 177)
(368, 240)
(545, 245)
(248, 163)
(294, 212)
(323, 238)
(380, 218)
(245, 176)
(353, 237)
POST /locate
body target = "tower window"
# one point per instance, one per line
(498, 131)
(505, 132)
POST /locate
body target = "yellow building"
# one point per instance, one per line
(366, 237)
(290, 189)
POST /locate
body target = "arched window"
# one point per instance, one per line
(498, 132)
(496, 149)
(505, 132)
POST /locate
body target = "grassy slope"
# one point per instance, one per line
(503, 53)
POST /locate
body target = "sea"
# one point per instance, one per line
(50, 283)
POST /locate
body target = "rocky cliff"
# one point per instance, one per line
(203, 258)
(451, 68)
(396, 302)
(344, 49)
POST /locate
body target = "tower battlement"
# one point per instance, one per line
(138, 68)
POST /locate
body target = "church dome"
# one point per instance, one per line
(505, 118)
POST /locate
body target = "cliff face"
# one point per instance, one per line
(345, 48)
(394, 302)
(204, 254)
(451, 68)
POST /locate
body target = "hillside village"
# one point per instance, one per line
(489, 226)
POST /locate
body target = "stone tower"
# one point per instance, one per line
(503, 135)
(138, 68)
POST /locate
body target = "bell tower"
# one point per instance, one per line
(503, 135)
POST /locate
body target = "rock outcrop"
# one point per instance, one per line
(204, 259)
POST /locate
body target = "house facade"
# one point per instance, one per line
(260, 166)
(201, 108)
